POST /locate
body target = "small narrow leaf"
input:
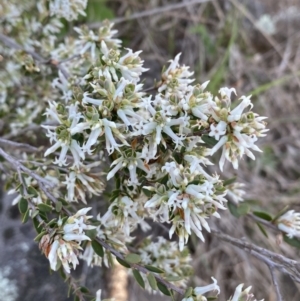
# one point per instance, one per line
(139, 279)
(38, 237)
(240, 210)
(58, 206)
(209, 140)
(37, 226)
(91, 233)
(97, 248)
(174, 278)
(25, 216)
(123, 263)
(23, 205)
(292, 241)
(154, 269)
(281, 212)
(84, 289)
(44, 208)
(188, 292)
(133, 258)
(229, 181)
(263, 215)
(262, 229)
(163, 289)
(32, 191)
(152, 281)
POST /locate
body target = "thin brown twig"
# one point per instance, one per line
(290, 266)
(275, 283)
(18, 166)
(19, 145)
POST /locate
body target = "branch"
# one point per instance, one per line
(18, 166)
(287, 265)
(275, 283)
(151, 12)
(19, 145)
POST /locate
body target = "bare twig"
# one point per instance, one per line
(151, 12)
(287, 265)
(19, 145)
(275, 283)
(18, 166)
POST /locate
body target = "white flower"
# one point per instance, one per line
(65, 253)
(199, 291)
(219, 130)
(290, 223)
(240, 295)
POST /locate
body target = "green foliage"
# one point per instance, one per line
(139, 279)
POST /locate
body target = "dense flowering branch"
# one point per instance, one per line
(158, 147)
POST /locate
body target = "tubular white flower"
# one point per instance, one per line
(290, 223)
(199, 291)
(242, 295)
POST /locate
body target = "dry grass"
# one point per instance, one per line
(221, 42)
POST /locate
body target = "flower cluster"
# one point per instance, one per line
(63, 246)
(164, 254)
(153, 138)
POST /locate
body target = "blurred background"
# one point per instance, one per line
(252, 45)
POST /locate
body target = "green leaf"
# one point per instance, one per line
(23, 205)
(209, 140)
(174, 278)
(91, 233)
(52, 222)
(25, 216)
(44, 208)
(123, 263)
(154, 269)
(281, 212)
(133, 258)
(37, 226)
(163, 289)
(63, 201)
(240, 210)
(229, 181)
(139, 279)
(39, 236)
(152, 281)
(147, 192)
(188, 292)
(76, 298)
(263, 215)
(62, 274)
(211, 298)
(262, 229)
(32, 191)
(58, 206)
(292, 241)
(84, 289)
(97, 248)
